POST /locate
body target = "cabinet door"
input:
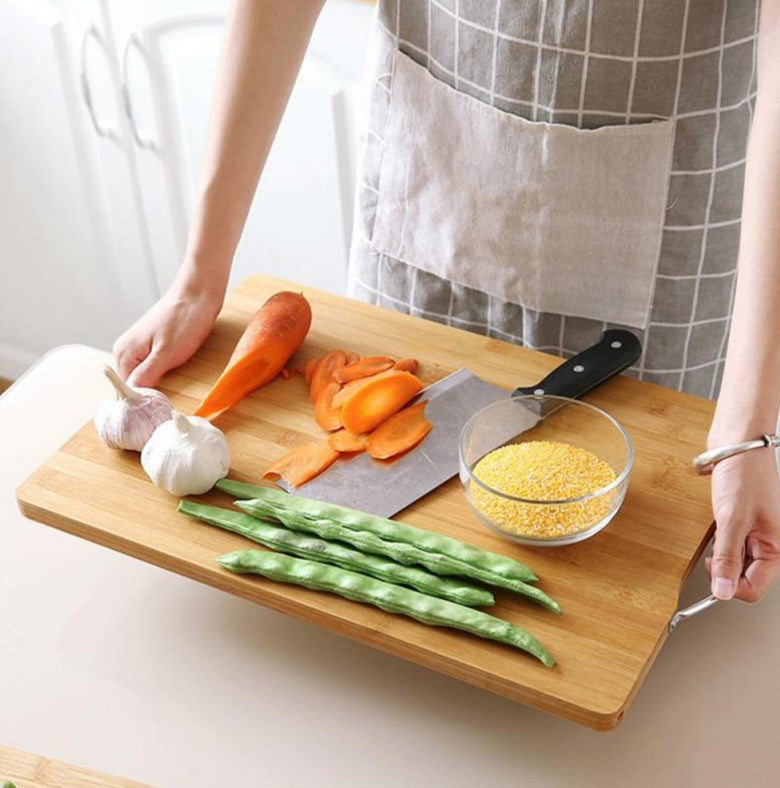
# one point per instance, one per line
(300, 223)
(67, 214)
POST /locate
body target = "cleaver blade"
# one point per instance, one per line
(385, 487)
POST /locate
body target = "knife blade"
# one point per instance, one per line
(385, 487)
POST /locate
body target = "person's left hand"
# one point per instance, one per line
(746, 503)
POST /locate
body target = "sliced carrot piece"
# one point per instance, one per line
(325, 414)
(285, 373)
(272, 335)
(323, 374)
(363, 368)
(352, 357)
(372, 403)
(308, 369)
(345, 441)
(407, 365)
(399, 432)
(348, 389)
(302, 463)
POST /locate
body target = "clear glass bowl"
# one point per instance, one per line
(548, 521)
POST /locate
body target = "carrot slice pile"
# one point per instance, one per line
(360, 401)
(372, 403)
(399, 433)
(302, 463)
(272, 335)
(363, 368)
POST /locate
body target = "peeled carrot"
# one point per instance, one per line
(348, 389)
(302, 463)
(345, 441)
(272, 335)
(399, 432)
(363, 368)
(375, 401)
(323, 373)
(325, 414)
(407, 365)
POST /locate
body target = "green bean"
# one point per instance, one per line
(315, 549)
(385, 528)
(401, 552)
(387, 596)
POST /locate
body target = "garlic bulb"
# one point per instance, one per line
(186, 455)
(128, 421)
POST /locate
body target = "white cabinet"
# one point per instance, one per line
(105, 106)
(71, 261)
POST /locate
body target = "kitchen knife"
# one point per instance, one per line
(385, 487)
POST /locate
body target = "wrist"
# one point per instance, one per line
(731, 426)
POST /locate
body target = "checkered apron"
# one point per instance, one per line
(587, 64)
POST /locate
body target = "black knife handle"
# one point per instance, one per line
(615, 352)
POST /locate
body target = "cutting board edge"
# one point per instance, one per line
(595, 719)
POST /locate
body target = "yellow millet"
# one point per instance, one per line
(542, 471)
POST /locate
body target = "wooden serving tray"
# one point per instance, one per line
(618, 590)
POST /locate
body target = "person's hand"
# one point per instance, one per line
(168, 334)
(746, 504)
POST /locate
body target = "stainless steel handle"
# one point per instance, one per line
(94, 34)
(692, 610)
(142, 142)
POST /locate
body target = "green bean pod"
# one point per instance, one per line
(385, 528)
(401, 552)
(294, 543)
(386, 596)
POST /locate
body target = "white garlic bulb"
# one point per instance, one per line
(186, 455)
(128, 421)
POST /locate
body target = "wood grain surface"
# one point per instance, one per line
(27, 770)
(618, 589)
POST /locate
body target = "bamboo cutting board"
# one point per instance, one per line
(618, 590)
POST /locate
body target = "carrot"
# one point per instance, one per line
(323, 374)
(345, 441)
(302, 463)
(325, 414)
(308, 369)
(352, 357)
(348, 389)
(407, 365)
(373, 402)
(399, 432)
(285, 373)
(272, 335)
(362, 368)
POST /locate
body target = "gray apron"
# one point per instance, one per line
(539, 171)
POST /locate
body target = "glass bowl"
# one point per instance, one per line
(544, 481)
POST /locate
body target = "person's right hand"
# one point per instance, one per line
(168, 334)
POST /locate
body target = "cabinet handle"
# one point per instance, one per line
(86, 91)
(142, 142)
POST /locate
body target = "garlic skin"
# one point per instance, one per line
(128, 421)
(186, 455)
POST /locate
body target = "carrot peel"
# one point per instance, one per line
(399, 432)
(345, 441)
(327, 416)
(302, 463)
(363, 368)
(375, 401)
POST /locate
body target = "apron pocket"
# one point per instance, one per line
(551, 217)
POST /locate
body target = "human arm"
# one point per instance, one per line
(745, 488)
(263, 46)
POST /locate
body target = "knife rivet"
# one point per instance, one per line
(539, 391)
(616, 344)
(579, 368)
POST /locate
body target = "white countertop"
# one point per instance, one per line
(119, 666)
